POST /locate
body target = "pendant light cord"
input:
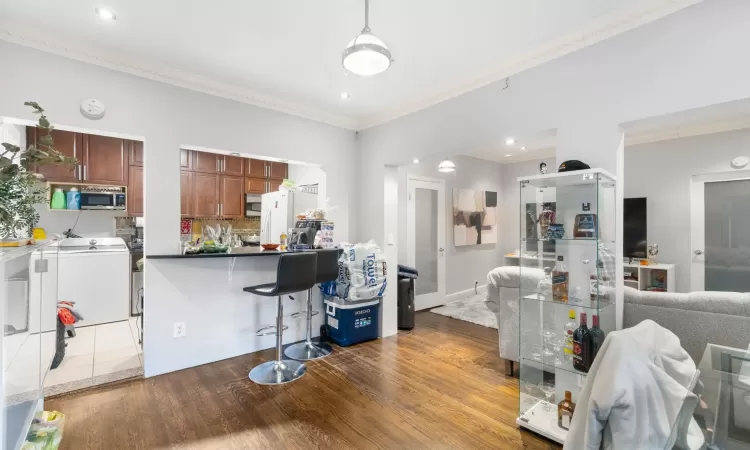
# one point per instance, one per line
(366, 29)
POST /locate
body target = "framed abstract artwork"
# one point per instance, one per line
(474, 217)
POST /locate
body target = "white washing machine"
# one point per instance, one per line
(95, 273)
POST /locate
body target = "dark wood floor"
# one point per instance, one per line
(441, 386)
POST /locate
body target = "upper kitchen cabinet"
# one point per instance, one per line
(255, 168)
(66, 143)
(256, 185)
(206, 162)
(232, 165)
(205, 194)
(135, 191)
(186, 159)
(104, 160)
(186, 194)
(136, 152)
(232, 197)
(277, 170)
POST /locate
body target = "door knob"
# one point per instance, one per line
(441, 249)
(698, 252)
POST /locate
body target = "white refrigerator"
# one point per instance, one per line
(278, 212)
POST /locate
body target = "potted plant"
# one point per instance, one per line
(20, 187)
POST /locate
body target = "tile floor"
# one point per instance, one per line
(101, 352)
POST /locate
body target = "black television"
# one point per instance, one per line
(634, 228)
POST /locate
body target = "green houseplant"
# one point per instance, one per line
(20, 187)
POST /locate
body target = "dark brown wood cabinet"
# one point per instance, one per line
(256, 185)
(186, 159)
(186, 193)
(104, 160)
(65, 142)
(232, 198)
(205, 162)
(205, 194)
(255, 168)
(232, 165)
(135, 191)
(136, 152)
(277, 170)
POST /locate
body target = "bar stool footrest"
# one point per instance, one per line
(267, 331)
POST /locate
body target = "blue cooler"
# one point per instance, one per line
(352, 322)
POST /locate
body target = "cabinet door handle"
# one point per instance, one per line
(85, 176)
(221, 209)
(217, 209)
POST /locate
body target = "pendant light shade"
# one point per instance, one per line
(446, 166)
(366, 54)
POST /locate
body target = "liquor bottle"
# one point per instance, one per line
(581, 346)
(597, 339)
(585, 224)
(560, 281)
(598, 284)
(570, 328)
(565, 410)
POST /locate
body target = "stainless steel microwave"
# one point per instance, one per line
(252, 205)
(105, 197)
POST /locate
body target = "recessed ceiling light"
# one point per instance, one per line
(415, 160)
(235, 154)
(508, 155)
(344, 96)
(510, 141)
(523, 149)
(105, 14)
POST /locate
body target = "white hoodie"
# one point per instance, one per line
(638, 389)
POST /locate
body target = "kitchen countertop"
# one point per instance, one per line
(237, 252)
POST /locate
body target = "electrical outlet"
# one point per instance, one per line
(180, 330)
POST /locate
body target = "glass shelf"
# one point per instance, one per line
(566, 240)
(551, 367)
(532, 296)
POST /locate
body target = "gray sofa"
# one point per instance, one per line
(697, 318)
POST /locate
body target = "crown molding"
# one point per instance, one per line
(121, 62)
(640, 13)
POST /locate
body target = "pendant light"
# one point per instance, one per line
(366, 55)
(446, 166)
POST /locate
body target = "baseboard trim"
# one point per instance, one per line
(464, 294)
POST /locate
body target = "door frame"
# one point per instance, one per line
(697, 222)
(413, 182)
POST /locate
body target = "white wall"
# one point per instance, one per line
(89, 223)
(166, 117)
(662, 171)
(304, 175)
(464, 264)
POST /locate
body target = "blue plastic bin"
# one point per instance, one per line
(352, 322)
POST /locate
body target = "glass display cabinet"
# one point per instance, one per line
(568, 240)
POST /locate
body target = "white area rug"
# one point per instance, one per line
(471, 309)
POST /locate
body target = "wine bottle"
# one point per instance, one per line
(597, 339)
(565, 411)
(581, 346)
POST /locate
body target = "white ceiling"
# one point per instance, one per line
(286, 54)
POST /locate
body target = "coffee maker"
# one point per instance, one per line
(304, 232)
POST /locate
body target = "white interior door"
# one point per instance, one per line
(425, 237)
(720, 232)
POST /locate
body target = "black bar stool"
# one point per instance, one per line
(328, 270)
(294, 273)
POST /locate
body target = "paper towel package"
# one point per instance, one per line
(362, 272)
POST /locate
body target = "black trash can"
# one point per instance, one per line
(406, 277)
